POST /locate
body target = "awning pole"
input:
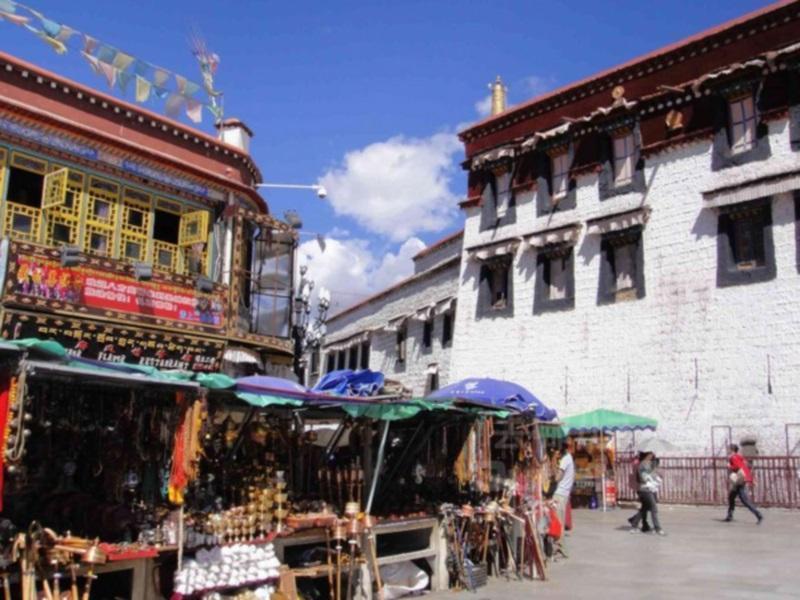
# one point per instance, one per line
(376, 472)
(603, 466)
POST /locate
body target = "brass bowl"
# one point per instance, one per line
(280, 498)
(281, 513)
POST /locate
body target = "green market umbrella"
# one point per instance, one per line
(602, 421)
(606, 421)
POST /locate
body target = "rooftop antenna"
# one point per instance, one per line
(208, 61)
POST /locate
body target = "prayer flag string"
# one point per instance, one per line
(119, 68)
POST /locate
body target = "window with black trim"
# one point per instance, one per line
(621, 266)
(315, 356)
(495, 290)
(447, 328)
(330, 362)
(555, 189)
(621, 162)
(555, 279)
(745, 250)
(498, 206)
(624, 157)
(427, 334)
(742, 125)
(340, 360)
(365, 350)
(401, 342)
(740, 136)
(352, 358)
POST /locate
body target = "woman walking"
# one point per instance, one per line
(649, 483)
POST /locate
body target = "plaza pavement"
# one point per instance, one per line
(700, 557)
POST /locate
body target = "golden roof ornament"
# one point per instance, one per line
(498, 96)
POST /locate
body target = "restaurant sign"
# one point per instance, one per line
(98, 341)
(36, 280)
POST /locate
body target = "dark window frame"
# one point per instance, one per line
(607, 292)
(401, 345)
(489, 218)
(427, 334)
(352, 357)
(330, 362)
(544, 180)
(722, 156)
(542, 302)
(759, 214)
(797, 229)
(486, 307)
(448, 320)
(606, 181)
(364, 355)
(341, 360)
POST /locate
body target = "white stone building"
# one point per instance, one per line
(631, 241)
(406, 330)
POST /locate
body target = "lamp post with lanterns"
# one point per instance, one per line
(308, 332)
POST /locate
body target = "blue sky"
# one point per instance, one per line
(366, 96)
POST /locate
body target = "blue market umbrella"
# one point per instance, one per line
(347, 382)
(495, 393)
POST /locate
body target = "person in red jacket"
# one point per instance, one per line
(740, 477)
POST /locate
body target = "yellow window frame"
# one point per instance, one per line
(55, 220)
(134, 200)
(160, 247)
(98, 192)
(194, 228)
(54, 189)
(92, 231)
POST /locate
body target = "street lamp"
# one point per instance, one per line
(322, 193)
(308, 334)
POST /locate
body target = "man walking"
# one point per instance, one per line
(740, 477)
(566, 479)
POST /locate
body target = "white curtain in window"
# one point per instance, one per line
(503, 187)
(625, 266)
(623, 158)
(743, 124)
(560, 170)
(558, 278)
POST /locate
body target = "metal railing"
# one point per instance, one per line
(704, 480)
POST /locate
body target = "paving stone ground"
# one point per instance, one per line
(700, 557)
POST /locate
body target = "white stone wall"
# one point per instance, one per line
(690, 354)
(422, 291)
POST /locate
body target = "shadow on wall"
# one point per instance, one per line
(705, 225)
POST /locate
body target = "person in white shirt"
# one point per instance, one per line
(566, 479)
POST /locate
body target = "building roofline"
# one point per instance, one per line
(516, 112)
(438, 244)
(59, 122)
(13, 61)
(386, 291)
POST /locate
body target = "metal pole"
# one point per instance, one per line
(376, 473)
(603, 467)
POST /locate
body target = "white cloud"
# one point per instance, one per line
(398, 187)
(484, 106)
(534, 85)
(351, 272)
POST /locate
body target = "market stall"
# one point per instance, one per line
(150, 483)
(593, 438)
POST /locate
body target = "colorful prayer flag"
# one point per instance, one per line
(55, 44)
(174, 104)
(122, 61)
(65, 34)
(89, 44)
(12, 18)
(142, 89)
(181, 81)
(160, 78)
(194, 110)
